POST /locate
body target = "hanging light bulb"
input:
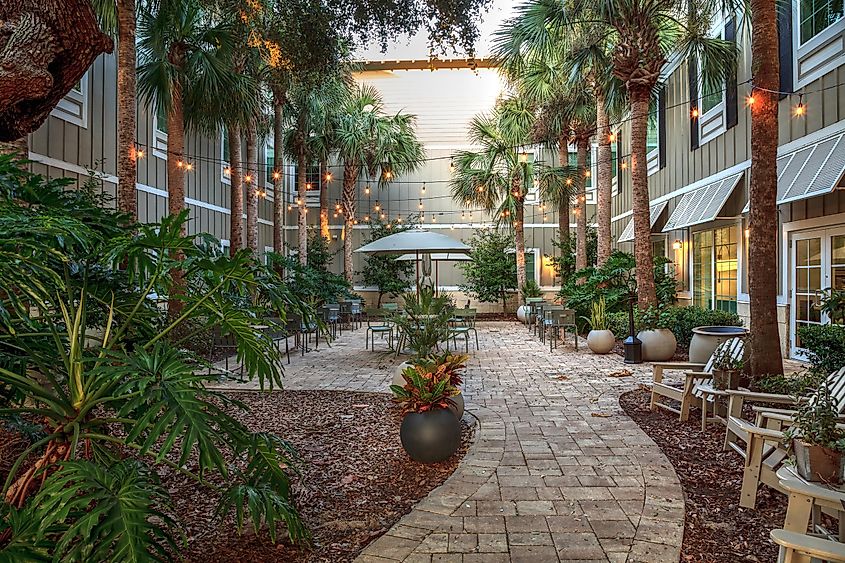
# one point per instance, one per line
(189, 167)
(800, 109)
(377, 206)
(480, 189)
(544, 217)
(367, 189)
(462, 216)
(290, 207)
(421, 204)
(749, 100)
(422, 190)
(388, 175)
(308, 186)
(587, 174)
(335, 215)
(276, 175)
(452, 227)
(179, 164)
(383, 216)
(337, 206)
(398, 217)
(388, 226)
(366, 218)
(624, 165)
(694, 112)
(433, 218)
(299, 201)
(612, 137)
(569, 181)
(139, 153)
(452, 165)
(247, 178)
(328, 176)
(227, 171)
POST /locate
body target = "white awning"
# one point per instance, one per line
(702, 205)
(654, 214)
(810, 171)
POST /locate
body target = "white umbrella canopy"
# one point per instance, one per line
(416, 241)
(438, 257)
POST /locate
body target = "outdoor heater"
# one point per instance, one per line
(633, 345)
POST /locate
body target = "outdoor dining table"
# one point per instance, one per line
(806, 501)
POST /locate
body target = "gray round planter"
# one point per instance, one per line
(658, 345)
(705, 340)
(600, 341)
(432, 436)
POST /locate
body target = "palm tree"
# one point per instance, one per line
(384, 147)
(497, 176)
(182, 57)
(763, 216)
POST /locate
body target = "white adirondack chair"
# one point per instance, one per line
(801, 548)
(695, 374)
(763, 451)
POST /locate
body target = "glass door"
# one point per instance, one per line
(807, 282)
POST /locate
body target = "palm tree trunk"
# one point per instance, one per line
(563, 204)
(646, 295)
(581, 205)
(176, 184)
(324, 201)
(604, 186)
(127, 199)
(302, 222)
(763, 216)
(236, 229)
(278, 179)
(19, 147)
(519, 235)
(350, 177)
(252, 189)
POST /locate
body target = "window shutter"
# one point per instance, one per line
(661, 127)
(731, 109)
(692, 67)
(784, 10)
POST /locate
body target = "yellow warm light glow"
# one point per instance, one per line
(677, 244)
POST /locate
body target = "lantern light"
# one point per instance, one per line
(677, 244)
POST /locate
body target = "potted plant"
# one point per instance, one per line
(658, 341)
(430, 431)
(817, 441)
(600, 339)
(423, 325)
(445, 365)
(727, 369)
(528, 291)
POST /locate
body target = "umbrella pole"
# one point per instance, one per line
(418, 273)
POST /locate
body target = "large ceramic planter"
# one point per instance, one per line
(458, 409)
(397, 374)
(705, 340)
(432, 436)
(522, 313)
(817, 463)
(601, 341)
(658, 345)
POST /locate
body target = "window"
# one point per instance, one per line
(652, 140)
(269, 161)
(161, 119)
(573, 161)
(711, 96)
(714, 269)
(658, 247)
(160, 132)
(225, 172)
(818, 15)
(73, 108)
(313, 183)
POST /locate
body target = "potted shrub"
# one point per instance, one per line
(658, 341)
(446, 365)
(600, 339)
(817, 441)
(529, 290)
(727, 369)
(430, 431)
(423, 325)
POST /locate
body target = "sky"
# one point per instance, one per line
(415, 47)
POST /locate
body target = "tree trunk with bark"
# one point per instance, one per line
(127, 164)
(278, 177)
(19, 147)
(302, 219)
(176, 183)
(350, 177)
(324, 201)
(519, 235)
(604, 187)
(646, 295)
(563, 204)
(581, 204)
(763, 217)
(45, 48)
(252, 189)
(236, 227)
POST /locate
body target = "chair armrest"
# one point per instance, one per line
(812, 546)
(698, 375)
(792, 485)
(680, 366)
(762, 397)
(750, 428)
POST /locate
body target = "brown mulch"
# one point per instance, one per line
(356, 481)
(716, 528)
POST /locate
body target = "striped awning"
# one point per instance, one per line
(654, 213)
(703, 204)
(810, 171)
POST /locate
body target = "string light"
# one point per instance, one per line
(290, 207)
(299, 201)
(694, 112)
(307, 186)
(337, 206)
(388, 175)
(139, 153)
(189, 167)
(366, 218)
(276, 175)
(421, 203)
(624, 165)
(587, 173)
(328, 176)
(452, 165)
(179, 164)
(749, 100)
(569, 181)
(612, 137)
(422, 190)
(480, 189)
(367, 189)
(377, 206)
(800, 109)
(247, 178)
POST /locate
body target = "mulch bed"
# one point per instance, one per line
(356, 481)
(716, 528)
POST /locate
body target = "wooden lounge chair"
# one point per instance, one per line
(763, 451)
(695, 374)
(801, 548)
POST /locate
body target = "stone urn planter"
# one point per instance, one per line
(659, 345)
(818, 464)
(601, 341)
(431, 436)
(705, 339)
(522, 313)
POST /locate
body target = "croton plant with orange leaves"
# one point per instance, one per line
(430, 383)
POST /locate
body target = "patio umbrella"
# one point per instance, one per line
(416, 242)
(437, 258)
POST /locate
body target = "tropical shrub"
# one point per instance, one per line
(491, 273)
(816, 422)
(825, 345)
(598, 315)
(426, 387)
(687, 318)
(425, 322)
(86, 352)
(314, 282)
(832, 303)
(530, 289)
(564, 263)
(449, 364)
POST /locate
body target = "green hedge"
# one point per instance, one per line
(826, 346)
(683, 320)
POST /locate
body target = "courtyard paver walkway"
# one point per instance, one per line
(557, 472)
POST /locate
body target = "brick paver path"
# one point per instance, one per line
(557, 472)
